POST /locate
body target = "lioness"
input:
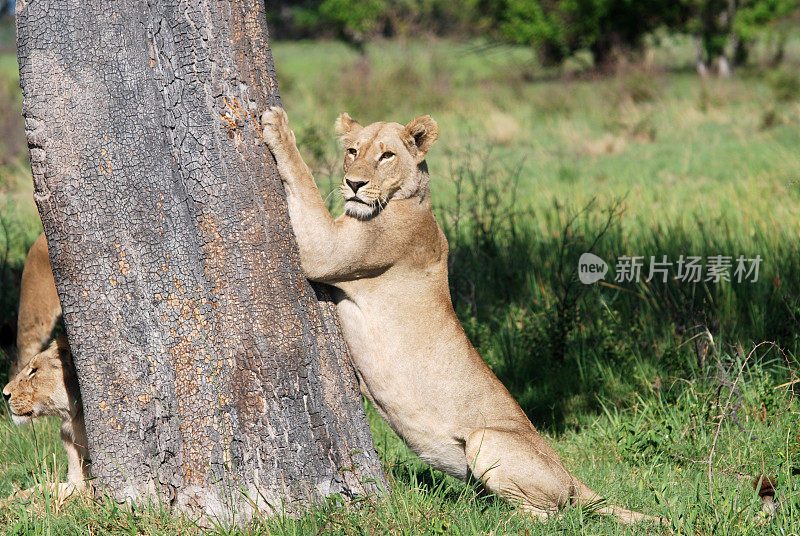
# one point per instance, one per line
(386, 258)
(48, 386)
(44, 383)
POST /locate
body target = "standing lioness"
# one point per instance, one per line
(387, 259)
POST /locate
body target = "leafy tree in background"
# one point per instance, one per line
(353, 20)
(707, 21)
(724, 29)
(752, 16)
(555, 29)
(559, 28)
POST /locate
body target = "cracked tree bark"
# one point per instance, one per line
(213, 377)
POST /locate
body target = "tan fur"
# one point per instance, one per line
(48, 386)
(386, 258)
(39, 307)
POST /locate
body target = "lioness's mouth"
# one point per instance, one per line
(358, 200)
(21, 419)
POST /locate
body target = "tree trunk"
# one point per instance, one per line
(212, 375)
(699, 54)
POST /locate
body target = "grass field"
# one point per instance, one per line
(656, 394)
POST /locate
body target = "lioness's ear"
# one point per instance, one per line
(424, 130)
(346, 126)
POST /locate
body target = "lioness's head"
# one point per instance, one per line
(46, 386)
(384, 161)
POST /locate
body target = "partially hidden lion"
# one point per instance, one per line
(386, 259)
(43, 382)
(48, 386)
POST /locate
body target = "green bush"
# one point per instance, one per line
(559, 28)
(353, 18)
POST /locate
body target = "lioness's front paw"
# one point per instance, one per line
(275, 128)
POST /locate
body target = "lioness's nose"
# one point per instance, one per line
(355, 185)
(6, 395)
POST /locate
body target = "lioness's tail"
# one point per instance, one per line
(587, 496)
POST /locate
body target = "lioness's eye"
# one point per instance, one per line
(387, 155)
(33, 371)
(352, 151)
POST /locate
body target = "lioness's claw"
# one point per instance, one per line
(275, 127)
(273, 115)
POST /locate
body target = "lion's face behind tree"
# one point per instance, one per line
(383, 161)
(47, 386)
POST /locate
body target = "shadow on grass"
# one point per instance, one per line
(561, 346)
(423, 477)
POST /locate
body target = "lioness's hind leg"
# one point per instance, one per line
(522, 468)
(511, 466)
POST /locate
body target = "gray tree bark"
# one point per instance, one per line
(212, 375)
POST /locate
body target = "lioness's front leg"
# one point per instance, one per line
(313, 225)
(330, 251)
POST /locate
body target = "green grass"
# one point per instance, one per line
(524, 175)
(637, 456)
